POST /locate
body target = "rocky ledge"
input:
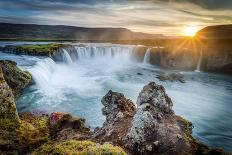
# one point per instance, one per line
(149, 127)
(33, 49)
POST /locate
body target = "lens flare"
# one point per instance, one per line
(190, 31)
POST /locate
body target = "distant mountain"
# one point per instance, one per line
(216, 32)
(33, 31)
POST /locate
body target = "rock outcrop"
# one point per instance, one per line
(9, 119)
(64, 126)
(15, 77)
(12, 81)
(119, 112)
(151, 128)
(33, 49)
(155, 127)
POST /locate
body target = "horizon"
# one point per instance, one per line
(169, 17)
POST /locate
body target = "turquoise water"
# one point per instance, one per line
(77, 86)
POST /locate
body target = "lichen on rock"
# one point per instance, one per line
(9, 119)
(16, 78)
(78, 148)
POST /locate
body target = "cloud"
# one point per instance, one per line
(151, 16)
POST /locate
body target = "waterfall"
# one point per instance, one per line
(146, 59)
(66, 57)
(199, 62)
(42, 73)
(110, 52)
(51, 76)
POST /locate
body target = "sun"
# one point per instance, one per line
(190, 31)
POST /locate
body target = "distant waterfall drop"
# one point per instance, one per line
(146, 59)
(67, 57)
(199, 62)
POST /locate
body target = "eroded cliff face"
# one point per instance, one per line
(207, 55)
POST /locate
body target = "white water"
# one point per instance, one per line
(77, 88)
(66, 57)
(199, 62)
(146, 59)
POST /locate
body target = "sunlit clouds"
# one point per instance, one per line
(151, 16)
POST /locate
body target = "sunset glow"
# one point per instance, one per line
(190, 31)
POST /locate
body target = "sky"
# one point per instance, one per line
(168, 17)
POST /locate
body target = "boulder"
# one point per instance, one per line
(65, 126)
(155, 128)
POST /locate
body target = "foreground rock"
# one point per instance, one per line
(151, 128)
(119, 112)
(9, 119)
(15, 77)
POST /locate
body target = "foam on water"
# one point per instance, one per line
(77, 86)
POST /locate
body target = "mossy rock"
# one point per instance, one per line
(9, 119)
(33, 49)
(74, 147)
(32, 131)
(16, 78)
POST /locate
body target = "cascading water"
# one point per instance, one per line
(77, 87)
(146, 59)
(199, 62)
(66, 57)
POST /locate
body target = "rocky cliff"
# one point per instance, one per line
(11, 77)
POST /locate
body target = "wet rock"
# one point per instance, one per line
(15, 77)
(171, 77)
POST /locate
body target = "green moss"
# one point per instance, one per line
(78, 148)
(33, 129)
(16, 78)
(38, 49)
